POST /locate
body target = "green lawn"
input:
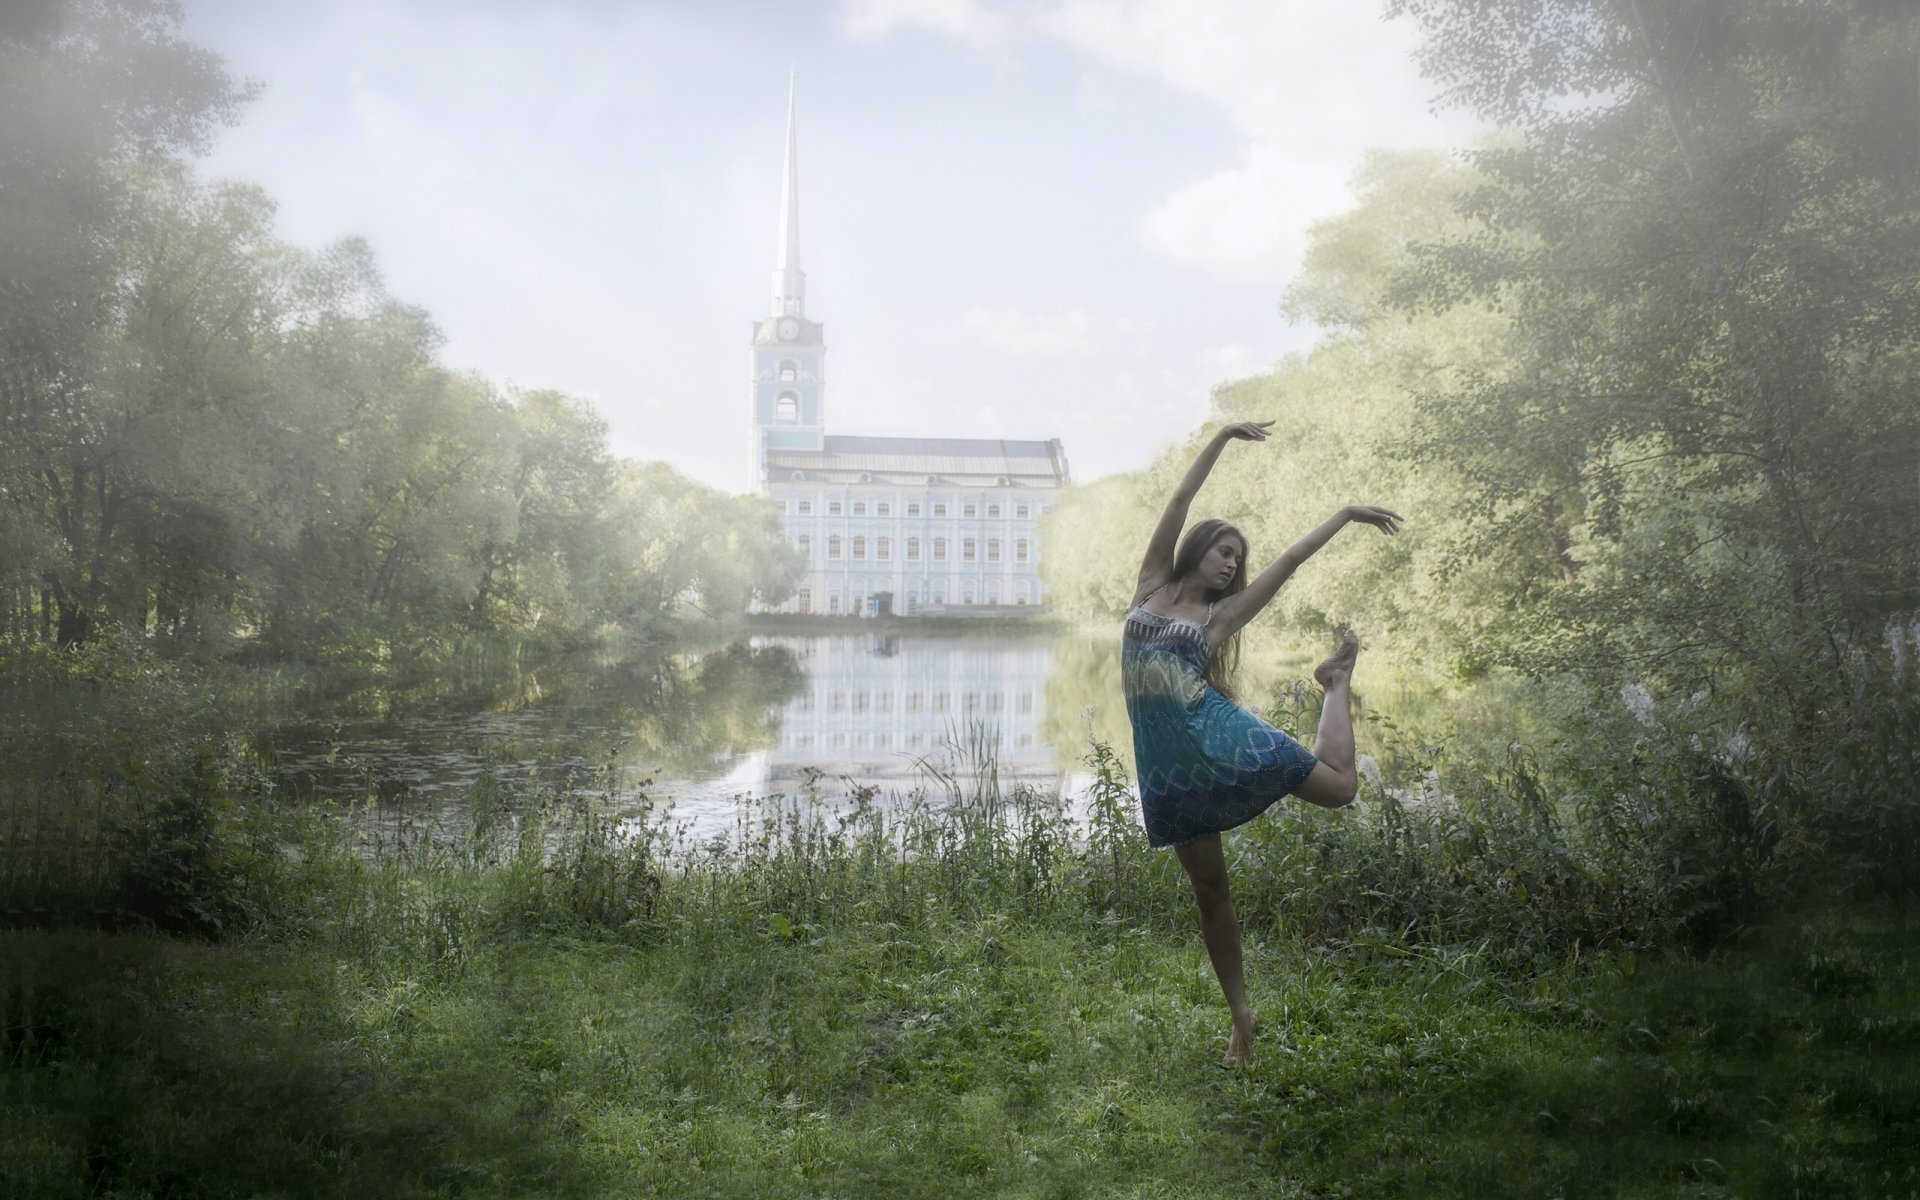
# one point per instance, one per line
(995, 1054)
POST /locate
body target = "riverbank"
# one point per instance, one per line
(991, 998)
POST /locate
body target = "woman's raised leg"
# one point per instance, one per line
(1335, 780)
(1206, 866)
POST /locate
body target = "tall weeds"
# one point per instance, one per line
(1637, 834)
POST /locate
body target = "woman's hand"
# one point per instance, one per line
(1246, 431)
(1383, 519)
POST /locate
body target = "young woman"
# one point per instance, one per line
(1206, 764)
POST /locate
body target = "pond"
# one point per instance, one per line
(764, 716)
(952, 715)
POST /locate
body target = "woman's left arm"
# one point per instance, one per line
(1232, 613)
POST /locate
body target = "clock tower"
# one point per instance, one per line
(789, 351)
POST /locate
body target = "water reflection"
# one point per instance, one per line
(771, 716)
(895, 713)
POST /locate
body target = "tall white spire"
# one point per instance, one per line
(789, 281)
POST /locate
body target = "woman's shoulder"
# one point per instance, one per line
(1147, 586)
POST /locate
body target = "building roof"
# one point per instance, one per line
(913, 460)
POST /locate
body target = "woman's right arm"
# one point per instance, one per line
(1156, 566)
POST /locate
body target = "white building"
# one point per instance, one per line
(887, 523)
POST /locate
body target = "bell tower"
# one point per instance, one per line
(789, 351)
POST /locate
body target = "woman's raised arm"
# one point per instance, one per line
(1156, 566)
(1236, 610)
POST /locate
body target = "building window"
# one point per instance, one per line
(833, 546)
(993, 549)
(883, 509)
(1020, 597)
(883, 549)
(966, 597)
(806, 508)
(993, 597)
(993, 510)
(833, 606)
(913, 549)
(804, 603)
(789, 371)
(833, 508)
(939, 549)
(859, 508)
(1021, 510)
(969, 552)
(786, 410)
(913, 508)
(859, 548)
(970, 510)
(939, 510)
(1020, 552)
(806, 546)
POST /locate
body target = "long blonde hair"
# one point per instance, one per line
(1224, 662)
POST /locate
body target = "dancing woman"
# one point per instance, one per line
(1206, 764)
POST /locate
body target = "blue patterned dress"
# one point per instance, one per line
(1205, 764)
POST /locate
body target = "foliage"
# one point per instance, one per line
(1640, 371)
(227, 444)
(1336, 407)
(1706, 238)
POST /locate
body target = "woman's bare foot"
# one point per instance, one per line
(1240, 1043)
(1339, 668)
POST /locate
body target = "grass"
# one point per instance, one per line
(990, 1000)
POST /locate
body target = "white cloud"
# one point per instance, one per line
(1075, 333)
(1308, 85)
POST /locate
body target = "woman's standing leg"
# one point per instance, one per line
(1206, 866)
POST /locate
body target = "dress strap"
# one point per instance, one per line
(1209, 619)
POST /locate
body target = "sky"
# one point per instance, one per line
(1031, 219)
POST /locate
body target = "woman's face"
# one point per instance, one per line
(1222, 562)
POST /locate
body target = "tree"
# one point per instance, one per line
(1707, 238)
(88, 90)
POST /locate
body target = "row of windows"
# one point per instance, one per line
(968, 594)
(881, 741)
(884, 508)
(883, 549)
(919, 701)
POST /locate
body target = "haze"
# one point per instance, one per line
(1057, 220)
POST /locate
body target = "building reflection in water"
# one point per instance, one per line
(882, 709)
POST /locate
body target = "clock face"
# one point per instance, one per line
(789, 329)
